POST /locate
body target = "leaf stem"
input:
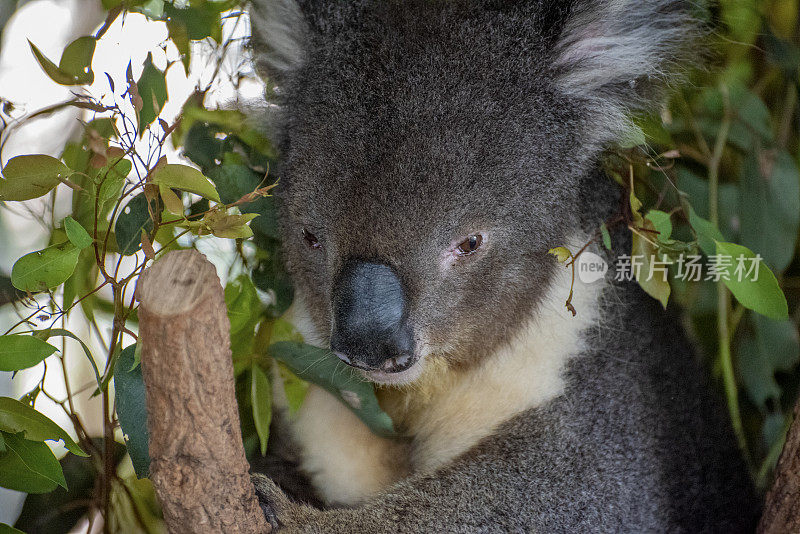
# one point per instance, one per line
(723, 298)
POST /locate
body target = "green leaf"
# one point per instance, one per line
(562, 254)
(2, 443)
(606, 236)
(28, 177)
(294, 387)
(7, 529)
(111, 178)
(137, 356)
(752, 120)
(52, 71)
(18, 417)
(153, 9)
(44, 335)
(261, 398)
(229, 226)
(172, 202)
(244, 306)
(650, 276)
(761, 294)
(185, 178)
(244, 311)
(45, 269)
(323, 368)
(770, 206)
(59, 511)
(129, 394)
(772, 347)
(22, 351)
(77, 235)
(661, 224)
(200, 21)
(270, 276)
(707, 233)
(728, 202)
(283, 330)
(76, 60)
(29, 466)
(152, 88)
(135, 218)
(233, 182)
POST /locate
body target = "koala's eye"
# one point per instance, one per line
(310, 239)
(469, 245)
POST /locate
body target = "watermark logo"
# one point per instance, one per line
(590, 267)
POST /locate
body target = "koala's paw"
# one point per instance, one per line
(270, 498)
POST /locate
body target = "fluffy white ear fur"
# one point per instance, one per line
(279, 32)
(618, 55)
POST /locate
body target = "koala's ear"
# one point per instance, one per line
(618, 56)
(280, 36)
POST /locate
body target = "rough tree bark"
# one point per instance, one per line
(782, 506)
(197, 461)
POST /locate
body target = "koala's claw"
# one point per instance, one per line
(272, 519)
(265, 492)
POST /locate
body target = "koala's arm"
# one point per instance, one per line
(429, 503)
(492, 488)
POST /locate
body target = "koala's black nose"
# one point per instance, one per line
(369, 318)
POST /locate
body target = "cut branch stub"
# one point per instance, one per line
(197, 461)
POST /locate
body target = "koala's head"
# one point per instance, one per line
(432, 152)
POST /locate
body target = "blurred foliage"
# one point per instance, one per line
(726, 151)
(715, 174)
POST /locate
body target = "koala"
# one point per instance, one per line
(432, 151)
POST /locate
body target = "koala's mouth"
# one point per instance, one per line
(399, 370)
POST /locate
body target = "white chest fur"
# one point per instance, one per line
(348, 463)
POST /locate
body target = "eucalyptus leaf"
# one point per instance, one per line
(8, 529)
(46, 334)
(294, 387)
(324, 369)
(770, 206)
(770, 347)
(134, 219)
(29, 466)
(661, 223)
(233, 182)
(76, 60)
(52, 70)
(45, 269)
(129, 393)
(243, 304)
(707, 233)
(606, 236)
(152, 88)
(650, 276)
(76, 233)
(185, 178)
(261, 398)
(22, 351)
(18, 417)
(28, 177)
(759, 292)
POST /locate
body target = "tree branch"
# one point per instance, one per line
(197, 460)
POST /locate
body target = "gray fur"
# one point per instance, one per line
(406, 125)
